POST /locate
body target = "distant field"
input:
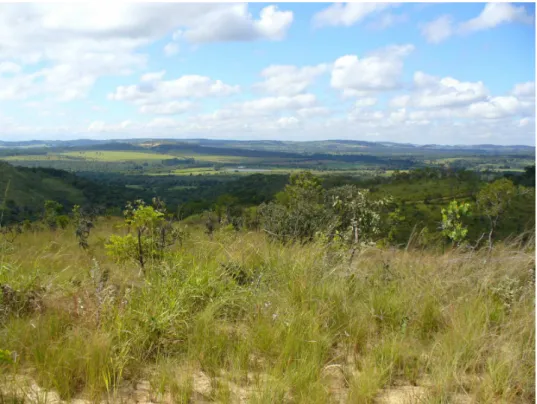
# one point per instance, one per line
(118, 155)
(219, 159)
(182, 187)
(105, 156)
(187, 162)
(38, 157)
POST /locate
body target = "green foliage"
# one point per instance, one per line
(83, 224)
(302, 186)
(452, 221)
(6, 357)
(52, 215)
(356, 214)
(299, 212)
(304, 210)
(494, 199)
(150, 234)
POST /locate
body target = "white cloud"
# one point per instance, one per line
(171, 49)
(153, 90)
(162, 123)
(447, 98)
(347, 14)
(77, 43)
(524, 89)
(386, 20)
(399, 125)
(365, 102)
(9, 68)
(492, 15)
(438, 30)
(167, 108)
(289, 80)
(235, 23)
(96, 126)
(496, 108)
(526, 122)
(369, 117)
(495, 14)
(153, 76)
(377, 71)
(434, 92)
(270, 104)
(400, 101)
(288, 122)
(313, 112)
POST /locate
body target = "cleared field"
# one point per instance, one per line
(38, 157)
(118, 155)
(105, 156)
(219, 159)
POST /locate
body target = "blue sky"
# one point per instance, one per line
(459, 73)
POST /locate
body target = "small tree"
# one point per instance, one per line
(452, 221)
(357, 214)
(224, 207)
(209, 226)
(52, 215)
(83, 225)
(493, 200)
(149, 234)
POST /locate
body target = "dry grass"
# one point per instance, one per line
(305, 326)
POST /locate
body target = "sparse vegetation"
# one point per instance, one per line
(243, 315)
(267, 288)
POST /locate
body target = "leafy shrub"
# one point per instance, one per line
(452, 221)
(150, 234)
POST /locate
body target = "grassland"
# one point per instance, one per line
(194, 157)
(117, 155)
(302, 324)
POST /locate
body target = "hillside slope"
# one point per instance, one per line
(23, 191)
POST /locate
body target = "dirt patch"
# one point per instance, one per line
(403, 395)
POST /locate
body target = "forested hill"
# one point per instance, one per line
(23, 191)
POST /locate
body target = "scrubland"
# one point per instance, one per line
(238, 317)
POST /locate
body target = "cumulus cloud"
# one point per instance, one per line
(524, 90)
(313, 112)
(438, 30)
(387, 20)
(171, 49)
(434, 92)
(434, 98)
(289, 80)
(271, 104)
(347, 14)
(152, 89)
(85, 44)
(9, 68)
(167, 108)
(492, 15)
(495, 14)
(496, 107)
(235, 23)
(365, 102)
(378, 71)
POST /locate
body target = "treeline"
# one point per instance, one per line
(412, 208)
(346, 158)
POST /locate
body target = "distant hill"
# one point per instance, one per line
(268, 145)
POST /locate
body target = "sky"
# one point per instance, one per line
(444, 73)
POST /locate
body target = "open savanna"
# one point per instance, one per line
(102, 156)
(239, 317)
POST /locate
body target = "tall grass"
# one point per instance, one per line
(298, 325)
